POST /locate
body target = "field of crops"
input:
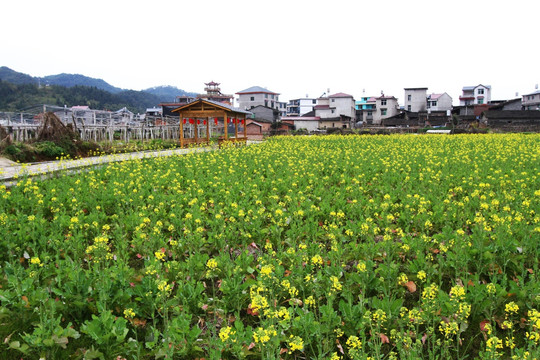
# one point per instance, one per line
(354, 247)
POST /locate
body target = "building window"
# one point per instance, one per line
(409, 107)
(480, 101)
(252, 98)
(369, 113)
(433, 103)
(383, 112)
(266, 96)
(409, 97)
(266, 103)
(333, 111)
(480, 91)
(314, 101)
(272, 97)
(383, 102)
(333, 100)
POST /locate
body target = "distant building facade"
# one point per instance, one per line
(475, 95)
(300, 107)
(531, 101)
(415, 99)
(337, 110)
(385, 107)
(256, 95)
(439, 102)
(365, 109)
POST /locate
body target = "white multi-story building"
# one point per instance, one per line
(299, 107)
(475, 95)
(256, 95)
(415, 99)
(385, 107)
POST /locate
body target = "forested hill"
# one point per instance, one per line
(19, 91)
(14, 97)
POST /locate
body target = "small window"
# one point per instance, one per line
(409, 107)
(369, 113)
(252, 98)
(433, 103)
(409, 97)
(480, 101)
(480, 91)
(314, 101)
(383, 102)
(333, 100)
(266, 96)
(383, 112)
(333, 111)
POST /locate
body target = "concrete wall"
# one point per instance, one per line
(418, 99)
(310, 125)
(343, 106)
(333, 124)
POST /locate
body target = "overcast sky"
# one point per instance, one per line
(292, 47)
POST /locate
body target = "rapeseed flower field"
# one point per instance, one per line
(335, 247)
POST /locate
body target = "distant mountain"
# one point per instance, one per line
(14, 77)
(79, 90)
(70, 80)
(168, 93)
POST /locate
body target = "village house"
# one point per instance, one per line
(337, 110)
(415, 99)
(385, 107)
(256, 95)
(439, 102)
(299, 107)
(472, 95)
(364, 109)
(531, 101)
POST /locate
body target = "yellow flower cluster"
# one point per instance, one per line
(129, 313)
(295, 343)
(262, 335)
(225, 334)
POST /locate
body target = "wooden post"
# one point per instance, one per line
(196, 130)
(245, 128)
(181, 131)
(235, 129)
(225, 125)
(207, 130)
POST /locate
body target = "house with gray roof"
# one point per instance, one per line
(255, 96)
(531, 101)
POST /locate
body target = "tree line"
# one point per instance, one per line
(16, 97)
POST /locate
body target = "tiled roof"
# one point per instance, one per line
(339, 95)
(223, 105)
(435, 96)
(256, 89)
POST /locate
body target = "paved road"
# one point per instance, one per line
(10, 171)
